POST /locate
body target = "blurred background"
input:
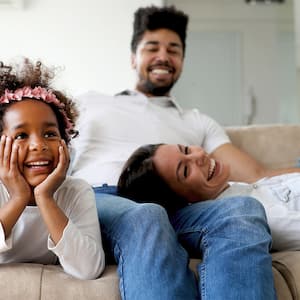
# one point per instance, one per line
(242, 63)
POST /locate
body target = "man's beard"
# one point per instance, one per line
(149, 87)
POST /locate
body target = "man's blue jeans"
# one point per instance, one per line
(152, 249)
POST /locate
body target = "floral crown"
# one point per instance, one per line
(38, 93)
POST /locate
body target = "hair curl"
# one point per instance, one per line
(153, 18)
(140, 181)
(34, 74)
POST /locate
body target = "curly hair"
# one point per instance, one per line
(153, 17)
(140, 181)
(35, 74)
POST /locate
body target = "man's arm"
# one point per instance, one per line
(243, 166)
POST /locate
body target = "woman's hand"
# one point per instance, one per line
(10, 175)
(47, 188)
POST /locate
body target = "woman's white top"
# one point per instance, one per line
(280, 196)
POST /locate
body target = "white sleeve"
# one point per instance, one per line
(212, 135)
(5, 244)
(80, 250)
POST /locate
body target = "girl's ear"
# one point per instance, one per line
(133, 60)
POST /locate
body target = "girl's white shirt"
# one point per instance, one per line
(79, 251)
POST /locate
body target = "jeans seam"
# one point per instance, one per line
(202, 268)
(120, 268)
(119, 261)
(193, 230)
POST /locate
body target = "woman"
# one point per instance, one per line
(177, 175)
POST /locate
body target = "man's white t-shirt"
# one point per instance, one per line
(112, 127)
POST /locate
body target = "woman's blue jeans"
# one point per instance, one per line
(152, 249)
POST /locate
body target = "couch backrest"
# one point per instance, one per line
(276, 146)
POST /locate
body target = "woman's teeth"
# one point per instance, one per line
(211, 169)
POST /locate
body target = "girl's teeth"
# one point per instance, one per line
(38, 163)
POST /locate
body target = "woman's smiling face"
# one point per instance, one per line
(33, 126)
(191, 172)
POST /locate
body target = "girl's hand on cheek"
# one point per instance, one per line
(10, 175)
(47, 188)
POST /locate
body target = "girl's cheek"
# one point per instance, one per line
(56, 151)
(22, 150)
(20, 145)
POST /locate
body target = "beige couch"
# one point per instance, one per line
(274, 145)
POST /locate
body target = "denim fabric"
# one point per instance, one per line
(231, 236)
(233, 239)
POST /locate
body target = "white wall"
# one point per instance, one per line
(90, 39)
(260, 38)
(297, 32)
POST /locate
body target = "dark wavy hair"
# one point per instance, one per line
(35, 74)
(153, 17)
(140, 181)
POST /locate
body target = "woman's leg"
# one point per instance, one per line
(233, 238)
(151, 262)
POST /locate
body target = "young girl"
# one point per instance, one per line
(177, 175)
(45, 217)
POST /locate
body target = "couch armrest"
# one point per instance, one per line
(288, 264)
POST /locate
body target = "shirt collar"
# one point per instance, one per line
(159, 100)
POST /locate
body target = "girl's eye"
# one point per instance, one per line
(20, 136)
(51, 134)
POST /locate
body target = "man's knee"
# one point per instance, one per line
(116, 213)
(146, 223)
(150, 214)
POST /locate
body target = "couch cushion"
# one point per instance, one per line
(20, 281)
(282, 290)
(288, 264)
(56, 284)
(265, 143)
(286, 271)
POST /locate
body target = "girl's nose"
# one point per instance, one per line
(37, 144)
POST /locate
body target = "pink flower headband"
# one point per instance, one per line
(38, 93)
